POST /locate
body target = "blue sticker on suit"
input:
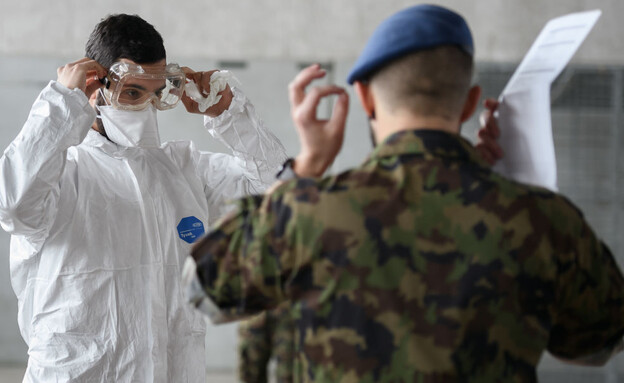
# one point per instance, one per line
(190, 228)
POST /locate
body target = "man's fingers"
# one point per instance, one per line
(190, 105)
(489, 132)
(490, 103)
(488, 119)
(186, 69)
(93, 84)
(81, 73)
(296, 89)
(494, 149)
(207, 74)
(484, 118)
(489, 123)
(490, 143)
(485, 154)
(78, 62)
(203, 83)
(86, 65)
(307, 108)
(341, 110)
(195, 77)
(492, 127)
(92, 66)
(201, 79)
(192, 75)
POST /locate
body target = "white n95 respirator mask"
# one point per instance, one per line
(132, 128)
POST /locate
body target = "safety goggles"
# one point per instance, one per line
(132, 87)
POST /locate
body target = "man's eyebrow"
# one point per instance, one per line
(136, 86)
(139, 87)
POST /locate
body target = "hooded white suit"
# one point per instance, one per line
(100, 232)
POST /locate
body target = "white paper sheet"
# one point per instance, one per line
(524, 111)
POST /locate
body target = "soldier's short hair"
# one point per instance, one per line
(428, 82)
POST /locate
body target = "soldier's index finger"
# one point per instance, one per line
(296, 89)
(313, 99)
(341, 108)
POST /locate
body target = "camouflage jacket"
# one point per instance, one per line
(420, 265)
(265, 337)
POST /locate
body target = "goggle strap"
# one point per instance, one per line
(108, 102)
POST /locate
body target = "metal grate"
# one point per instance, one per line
(493, 78)
(584, 88)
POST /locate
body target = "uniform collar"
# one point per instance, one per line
(433, 142)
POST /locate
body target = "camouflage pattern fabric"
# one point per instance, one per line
(420, 265)
(267, 335)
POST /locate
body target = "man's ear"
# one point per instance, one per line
(363, 91)
(471, 103)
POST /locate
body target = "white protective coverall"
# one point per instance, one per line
(97, 238)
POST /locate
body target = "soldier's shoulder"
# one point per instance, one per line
(551, 202)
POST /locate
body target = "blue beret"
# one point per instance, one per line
(411, 30)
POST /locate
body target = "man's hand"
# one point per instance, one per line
(488, 147)
(84, 74)
(202, 80)
(320, 139)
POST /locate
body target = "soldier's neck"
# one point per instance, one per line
(385, 124)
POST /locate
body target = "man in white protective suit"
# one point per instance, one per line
(102, 214)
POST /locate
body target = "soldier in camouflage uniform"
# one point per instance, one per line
(421, 264)
(267, 335)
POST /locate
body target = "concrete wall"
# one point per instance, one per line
(293, 29)
(273, 38)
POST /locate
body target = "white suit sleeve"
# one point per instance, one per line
(257, 156)
(31, 166)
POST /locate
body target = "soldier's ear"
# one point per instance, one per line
(471, 103)
(367, 100)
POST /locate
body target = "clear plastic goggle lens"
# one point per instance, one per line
(130, 87)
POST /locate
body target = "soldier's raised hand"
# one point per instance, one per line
(321, 140)
(488, 146)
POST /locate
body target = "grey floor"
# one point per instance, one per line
(549, 371)
(14, 374)
(11, 374)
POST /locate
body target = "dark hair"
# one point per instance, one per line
(125, 36)
(430, 82)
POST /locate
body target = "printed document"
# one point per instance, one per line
(524, 111)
